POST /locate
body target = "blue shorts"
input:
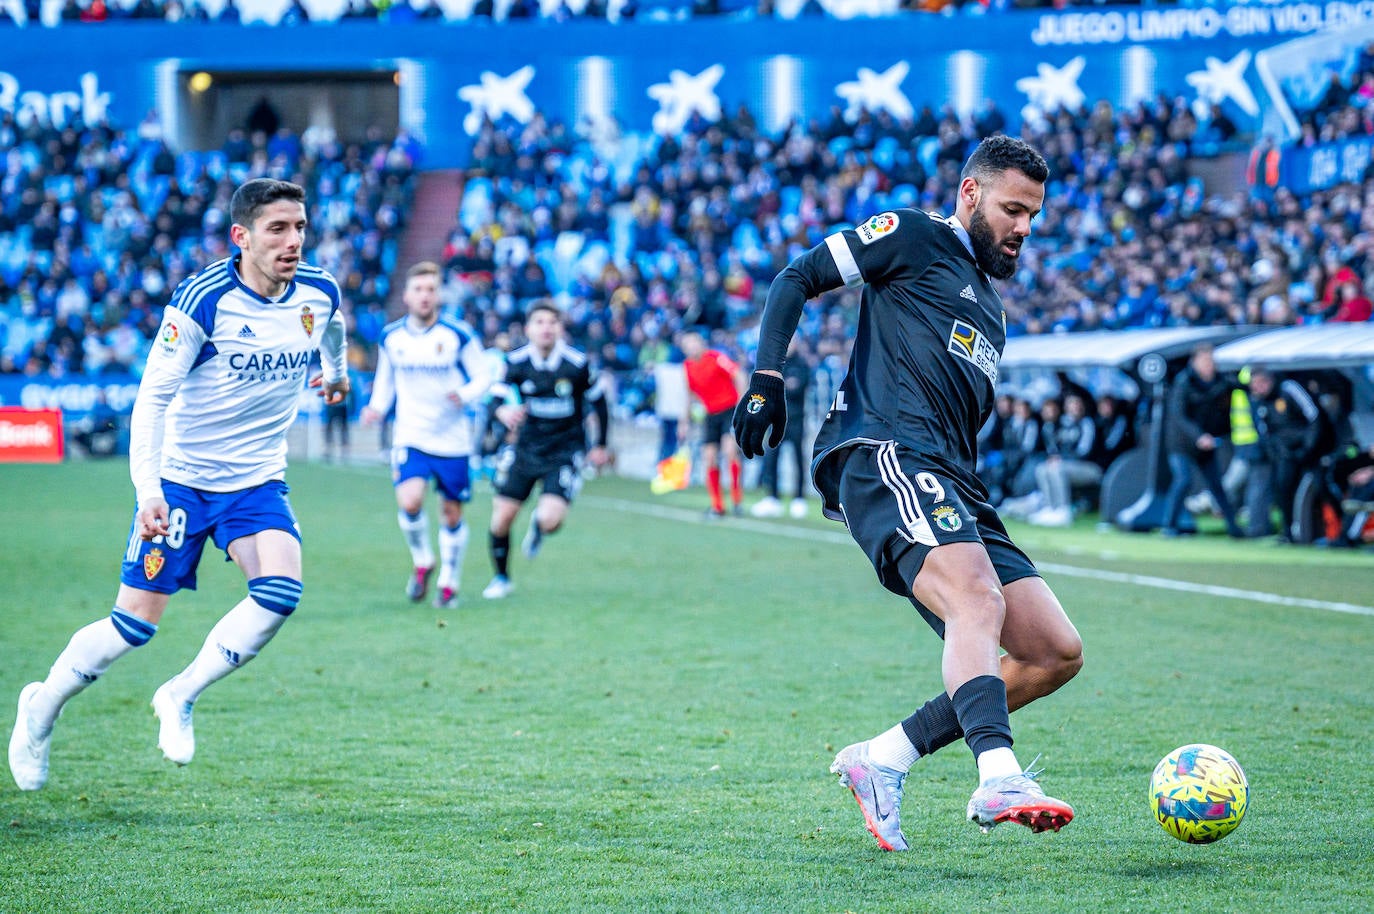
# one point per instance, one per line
(450, 473)
(168, 563)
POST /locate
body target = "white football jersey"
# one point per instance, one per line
(418, 369)
(224, 378)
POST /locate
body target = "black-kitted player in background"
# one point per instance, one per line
(549, 388)
(895, 460)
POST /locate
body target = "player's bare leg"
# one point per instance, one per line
(1043, 649)
(1042, 652)
(958, 583)
(546, 519)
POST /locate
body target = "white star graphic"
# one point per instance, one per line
(684, 94)
(874, 92)
(1053, 87)
(497, 96)
(1221, 81)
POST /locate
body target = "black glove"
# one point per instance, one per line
(763, 405)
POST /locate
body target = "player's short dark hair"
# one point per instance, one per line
(999, 153)
(543, 304)
(253, 196)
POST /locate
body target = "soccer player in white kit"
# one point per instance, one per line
(207, 456)
(432, 369)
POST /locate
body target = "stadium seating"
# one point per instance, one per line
(117, 225)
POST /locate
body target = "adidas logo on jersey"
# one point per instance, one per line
(246, 333)
(966, 293)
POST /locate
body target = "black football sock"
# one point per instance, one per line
(500, 553)
(933, 726)
(981, 706)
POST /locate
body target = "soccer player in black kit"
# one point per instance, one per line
(548, 387)
(895, 459)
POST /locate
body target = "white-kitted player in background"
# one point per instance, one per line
(433, 369)
(208, 458)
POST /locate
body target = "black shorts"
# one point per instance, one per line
(518, 471)
(717, 426)
(899, 505)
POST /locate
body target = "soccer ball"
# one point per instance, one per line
(1198, 793)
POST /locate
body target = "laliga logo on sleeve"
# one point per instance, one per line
(755, 403)
(877, 227)
(170, 336)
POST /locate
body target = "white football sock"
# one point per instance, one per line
(893, 749)
(453, 545)
(86, 657)
(235, 640)
(416, 532)
(996, 763)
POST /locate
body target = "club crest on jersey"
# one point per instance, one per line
(877, 227)
(562, 388)
(152, 563)
(969, 344)
(307, 320)
(947, 518)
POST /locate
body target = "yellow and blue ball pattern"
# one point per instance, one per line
(1199, 793)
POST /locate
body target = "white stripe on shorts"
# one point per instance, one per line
(844, 259)
(908, 504)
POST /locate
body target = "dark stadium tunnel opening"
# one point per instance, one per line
(348, 105)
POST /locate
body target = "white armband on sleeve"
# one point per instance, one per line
(844, 259)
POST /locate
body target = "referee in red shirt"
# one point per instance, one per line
(715, 380)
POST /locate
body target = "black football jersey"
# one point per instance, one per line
(555, 392)
(930, 334)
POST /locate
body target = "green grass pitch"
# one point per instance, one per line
(646, 724)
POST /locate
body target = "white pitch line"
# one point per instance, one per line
(1211, 590)
(683, 515)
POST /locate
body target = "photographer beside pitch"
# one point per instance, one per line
(207, 457)
(895, 461)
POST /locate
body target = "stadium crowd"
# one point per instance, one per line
(305, 12)
(98, 224)
(637, 237)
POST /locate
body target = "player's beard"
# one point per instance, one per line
(987, 250)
